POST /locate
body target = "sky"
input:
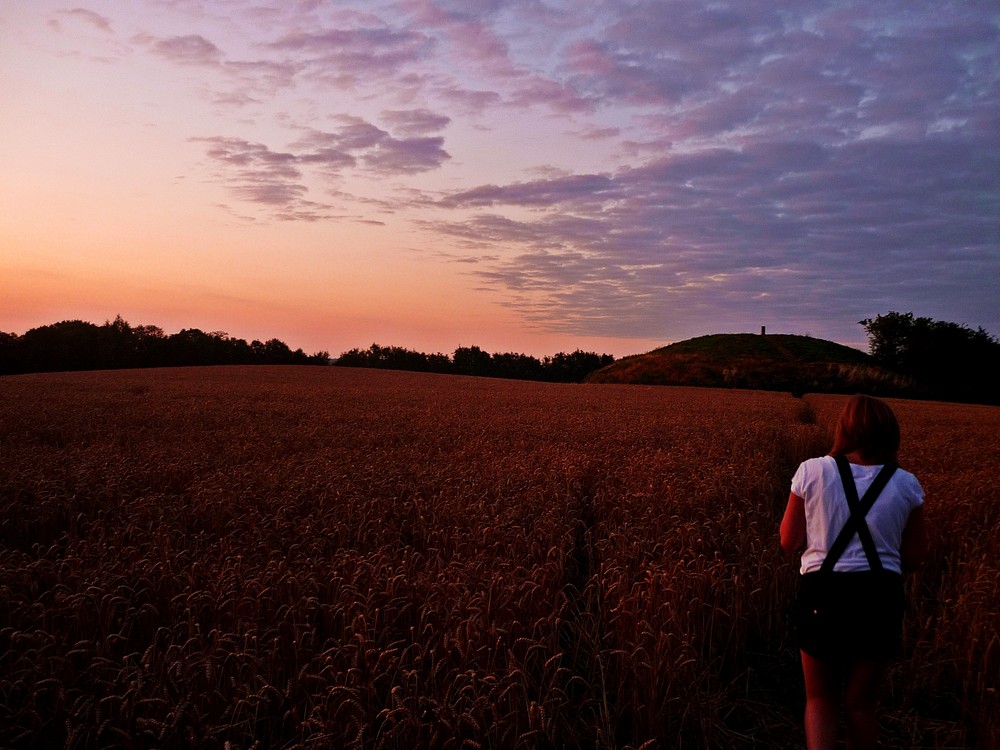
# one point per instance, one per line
(521, 175)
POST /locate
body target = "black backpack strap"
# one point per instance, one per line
(859, 509)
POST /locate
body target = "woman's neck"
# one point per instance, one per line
(855, 457)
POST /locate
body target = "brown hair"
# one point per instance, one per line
(867, 425)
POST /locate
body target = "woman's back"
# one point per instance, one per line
(818, 482)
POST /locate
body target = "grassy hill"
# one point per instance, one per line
(775, 362)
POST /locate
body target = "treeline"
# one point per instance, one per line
(78, 345)
(950, 361)
(471, 360)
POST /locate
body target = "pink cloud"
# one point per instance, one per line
(99, 22)
(191, 49)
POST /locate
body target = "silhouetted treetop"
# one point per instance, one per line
(472, 360)
(953, 361)
(79, 345)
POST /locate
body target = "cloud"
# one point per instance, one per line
(231, 83)
(89, 17)
(647, 164)
(407, 155)
(355, 134)
(255, 173)
(191, 49)
(549, 193)
(378, 150)
(784, 158)
(345, 57)
(466, 28)
(777, 225)
(467, 101)
(265, 76)
(811, 164)
(473, 41)
(415, 121)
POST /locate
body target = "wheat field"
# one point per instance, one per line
(322, 558)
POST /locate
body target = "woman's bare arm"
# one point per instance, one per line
(913, 549)
(793, 525)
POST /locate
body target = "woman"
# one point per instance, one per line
(858, 521)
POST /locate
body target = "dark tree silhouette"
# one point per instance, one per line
(573, 368)
(472, 360)
(78, 345)
(67, 345)
(395, 358)
(952, 361)
(517, 366)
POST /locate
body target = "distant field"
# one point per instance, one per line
(320, 557)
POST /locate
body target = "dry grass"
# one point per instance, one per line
(292, 557)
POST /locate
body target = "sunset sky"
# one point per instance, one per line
(521, 175)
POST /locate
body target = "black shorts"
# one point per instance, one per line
(850, 616)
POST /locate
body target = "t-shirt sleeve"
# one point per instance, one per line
(914, 491)
(799, 480)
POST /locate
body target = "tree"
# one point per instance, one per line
(67, 345)
(119, 346)
(573, 368)
(274, 352)
(516, 366)
(149, 346)
(888, 338)
(394, 358)
(471, 360)
(8, 353)
(953, 361)
(78, 345)
(191, 347)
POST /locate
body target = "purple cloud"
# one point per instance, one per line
(255, 174)
(265, 76)
(659, 162)
(192, 49)
(362, 142)
(761, 226)
(279, 179)
(343, 57)
(551, 192)
(408, 155)
(415, 121)
(96, 20)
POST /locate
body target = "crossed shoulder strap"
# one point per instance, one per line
(859, 509)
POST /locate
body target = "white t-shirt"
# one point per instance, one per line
(817, 481)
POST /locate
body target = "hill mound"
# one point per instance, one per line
(775, 362)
